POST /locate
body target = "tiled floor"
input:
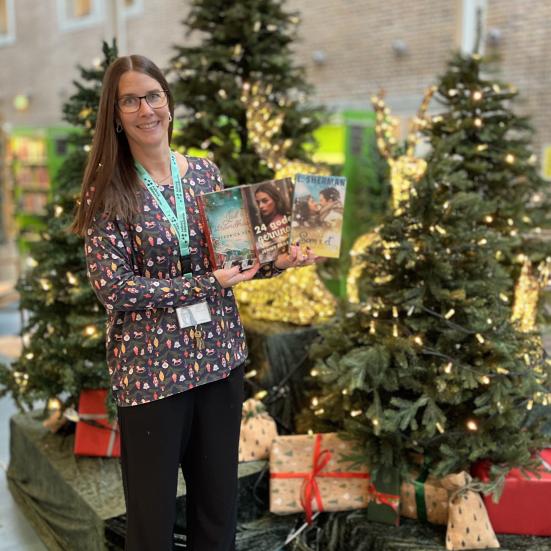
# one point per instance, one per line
(16, 534)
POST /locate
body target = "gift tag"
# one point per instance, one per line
(190, 316)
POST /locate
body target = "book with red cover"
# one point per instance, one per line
(247, 223)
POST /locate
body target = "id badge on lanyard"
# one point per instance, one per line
(195, 314)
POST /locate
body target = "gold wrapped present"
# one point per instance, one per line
(258, 431)
(310, 473)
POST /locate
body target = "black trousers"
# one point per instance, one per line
(199, 431)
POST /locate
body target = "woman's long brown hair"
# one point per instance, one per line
(110, 183)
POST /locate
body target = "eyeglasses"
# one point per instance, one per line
(131, 104)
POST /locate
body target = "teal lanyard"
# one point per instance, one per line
(178, 220)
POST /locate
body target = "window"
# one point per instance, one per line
(77, 14)
(7, 22)
(474, 14)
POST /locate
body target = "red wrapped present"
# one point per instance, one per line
(524, 504)
(95, 435)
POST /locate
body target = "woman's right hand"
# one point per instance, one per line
(232, 276)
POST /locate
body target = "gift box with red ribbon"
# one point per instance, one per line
(95, 435)
(311, 473)
(524, 504)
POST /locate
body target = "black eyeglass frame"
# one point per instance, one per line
(165, 92)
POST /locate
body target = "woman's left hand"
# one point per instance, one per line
(296, 258)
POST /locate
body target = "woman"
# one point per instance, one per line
(178, 387)
(271, 205)
(306, 212)
(331, 207)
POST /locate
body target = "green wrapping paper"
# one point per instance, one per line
(384, 504)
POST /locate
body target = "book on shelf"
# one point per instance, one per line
(247, 223)
(317, 213)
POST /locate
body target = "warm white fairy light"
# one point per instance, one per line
(485, 380)
(480, 338)
(355, 412)
(315, 402)
(478, 122)
(448, 368)
(449, 314)
(90, 330)
(477, 95)
(45, 284)
(510, 158)
(439, 427)
(418, 340)
(488, 219)
(314, 372)
(29, 355)
(58, 211)
(53, 404)
(261, 394)
(471, 425)
(71, 278)
(251, 374)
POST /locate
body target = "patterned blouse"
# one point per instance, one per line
(134, 269)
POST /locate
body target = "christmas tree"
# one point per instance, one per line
(480, 128)
(429, 361)
(63, 336)
(241, 43)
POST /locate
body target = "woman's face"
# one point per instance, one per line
(313, 207)
(265, 203)
(147, 126)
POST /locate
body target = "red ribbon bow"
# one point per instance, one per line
(310, 489)
(393, 501)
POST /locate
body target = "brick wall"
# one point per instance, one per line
(357, 37)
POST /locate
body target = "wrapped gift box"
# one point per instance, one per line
(524, 504)
(310, 473)
(258, 431)
(424, 498)
(95, 435)
(384, 502)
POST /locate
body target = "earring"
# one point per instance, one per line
(118, 127)
(169, 117)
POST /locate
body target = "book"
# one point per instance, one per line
(247, 223)
(318, 211)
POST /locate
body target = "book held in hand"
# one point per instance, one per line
(247, 223)
(318, 210)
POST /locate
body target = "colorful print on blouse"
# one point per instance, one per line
(134, 269)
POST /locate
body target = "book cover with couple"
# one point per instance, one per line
(318, 213)
(258, 221)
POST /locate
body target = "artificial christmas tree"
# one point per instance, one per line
(243, 42)
(63, 336)
(429, 362)
(481, 129)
